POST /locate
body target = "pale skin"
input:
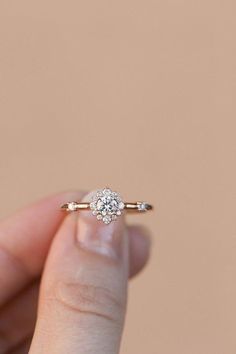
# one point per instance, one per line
(64, 279)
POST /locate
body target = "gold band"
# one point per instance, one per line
(107, 205)
(137, 206)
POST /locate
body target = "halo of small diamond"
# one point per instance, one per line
(106, 205)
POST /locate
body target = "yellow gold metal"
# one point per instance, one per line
(106, 205)
(137, 206)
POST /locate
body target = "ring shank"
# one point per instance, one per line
(137, 206)
(140, 206)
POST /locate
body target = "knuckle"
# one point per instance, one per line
(90, 300)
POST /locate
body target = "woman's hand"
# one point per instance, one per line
(82, 277)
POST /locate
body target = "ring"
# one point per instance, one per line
(107, 205)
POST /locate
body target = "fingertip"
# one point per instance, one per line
(140, 248)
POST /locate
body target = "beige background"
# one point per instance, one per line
(140, 96)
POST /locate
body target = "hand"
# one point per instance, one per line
(83, 284)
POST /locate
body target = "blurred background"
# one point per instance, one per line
(138, 96)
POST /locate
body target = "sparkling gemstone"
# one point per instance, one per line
(71, 206)
(114, 203)
(106, 205)
(107, 219)
(121, 205)
(143, 206)
(107, 191)
(99, 204)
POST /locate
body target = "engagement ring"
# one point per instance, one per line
(107, 205)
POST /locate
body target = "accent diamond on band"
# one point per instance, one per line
(106, 205)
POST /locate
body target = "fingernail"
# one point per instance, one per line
(95, 236)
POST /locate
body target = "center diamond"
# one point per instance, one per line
(106, 205)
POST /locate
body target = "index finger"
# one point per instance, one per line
(25, 239)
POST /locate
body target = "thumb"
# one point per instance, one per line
(83, 291)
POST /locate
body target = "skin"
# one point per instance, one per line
(64, 279)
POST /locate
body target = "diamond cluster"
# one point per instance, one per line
(106, 205)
